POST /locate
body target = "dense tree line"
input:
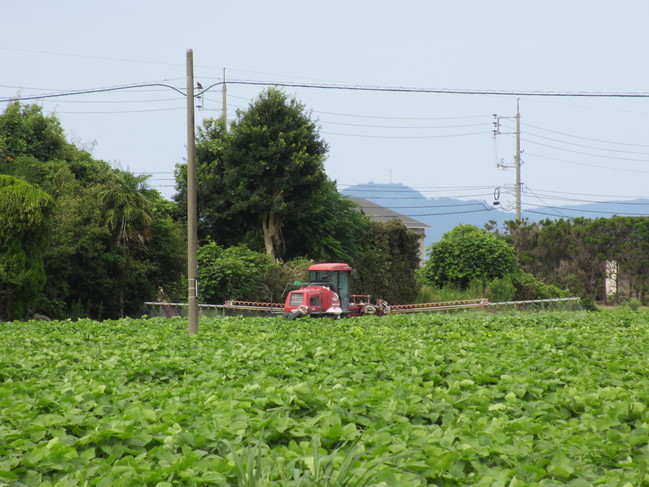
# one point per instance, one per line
(106, 243)
(82, 238)
(85, 239)
(573, 253)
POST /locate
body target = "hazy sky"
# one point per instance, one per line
(575, 148)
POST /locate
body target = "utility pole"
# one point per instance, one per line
(517, 154)
(192, 213)
(225, 103)
(517, 160)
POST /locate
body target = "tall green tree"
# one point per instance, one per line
(276, 160)
(127, 213)
(262, 183)
(24, 212)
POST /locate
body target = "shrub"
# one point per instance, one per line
(529, 287)
(232, 273)
(466, 254)
(501, 289)
(633, 304)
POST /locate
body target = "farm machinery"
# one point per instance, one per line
(326, 294)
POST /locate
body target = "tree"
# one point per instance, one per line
(263, 184)
(468, 253)
(83, 255)
(127, 213)
(276, 161)
(388, 262)
(24, 211)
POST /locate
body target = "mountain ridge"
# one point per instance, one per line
(441, 214)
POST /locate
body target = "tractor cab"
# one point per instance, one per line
(337, 276)
(325, 294)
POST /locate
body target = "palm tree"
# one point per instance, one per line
(127, 203)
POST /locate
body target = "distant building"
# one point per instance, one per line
(381, 213)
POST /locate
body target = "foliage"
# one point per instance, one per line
(242, 274)
(126, 210)
(388, 262)
(529, 287)
(466, 254)
(501, 289)
(280, 277)
(634, 304)
(263, 184)
(429, 294)
(90, 271)
(25, 214)
(327, 227)
(588, 304)
(24, 131)
(573, 253)
(436, 399)
(232, 273)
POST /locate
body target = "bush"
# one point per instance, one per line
(466, 254)
(588, 304)
(431, 294)
(232, 273)
(633, 304)
(529, 287)
(501, 289)
(279, 278)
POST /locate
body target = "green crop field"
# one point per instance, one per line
(509, 399)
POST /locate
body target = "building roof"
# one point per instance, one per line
(381, 213)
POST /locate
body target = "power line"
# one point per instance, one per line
(587, 146)
(382, 89)
(103, 58)
(420, 127)
(581, 200)
(584, 138)
(623, 169)
(585, 153)
(446, 91)
(90, 91)
(379, 117)
(590, 194)
(484, 209)
(122, 111)
(407, 136)
(581, 210)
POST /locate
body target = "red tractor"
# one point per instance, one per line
(326, 293)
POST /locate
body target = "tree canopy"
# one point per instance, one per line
(468, 253)
(24, 212)
(388, 262)
(574, 253)
(104, 255)
(263, 183)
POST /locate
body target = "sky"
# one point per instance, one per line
(575, 148)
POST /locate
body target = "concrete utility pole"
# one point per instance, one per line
(517, 160)
(517, 155)
(225, 103)
(192, 213)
